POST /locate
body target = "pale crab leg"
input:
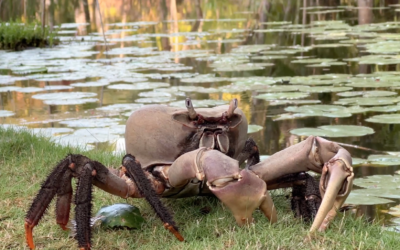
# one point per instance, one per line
(313, 154)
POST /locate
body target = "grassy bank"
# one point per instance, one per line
(25, 161)
(19, 36)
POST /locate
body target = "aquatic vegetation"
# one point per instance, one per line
(18, 36)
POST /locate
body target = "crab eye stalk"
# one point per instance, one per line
(232, 106)
(189, 106)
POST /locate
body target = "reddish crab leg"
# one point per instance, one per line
(64, 196)
(43, 199)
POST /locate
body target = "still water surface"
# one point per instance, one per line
(290, 66)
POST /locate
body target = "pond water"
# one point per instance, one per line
(296, 68)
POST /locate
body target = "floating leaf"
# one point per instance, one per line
(139, 86)
(384, 160)
(63, 95)
(389, 193)
(199, 103)
(358, 161)
(70, 101)
(253, 128)
(368, 101)
(120, 215)
(243, 67)
(6, 113)
(334, 131)
(386, 119)
(277, 96)
(121, 107)
(91, 122)
(360, 199)
(379, 181)
(30, 90)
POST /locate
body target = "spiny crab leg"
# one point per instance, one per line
(135, 172)
(90, 172)
(42, 200)
(318, 155)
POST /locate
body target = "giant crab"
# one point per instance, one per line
(175, 152)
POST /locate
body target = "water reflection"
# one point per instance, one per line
(172, 40)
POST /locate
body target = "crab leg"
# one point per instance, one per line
(135, 172)
(83, 201)
(321, 156)
(42, 200)
(59, 183)
(250, 153)
(64, 197)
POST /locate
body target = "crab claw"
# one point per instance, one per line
(335, 185)
(241, 191)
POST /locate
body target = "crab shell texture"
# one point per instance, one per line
(158, 135)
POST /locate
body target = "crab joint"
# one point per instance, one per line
(71, 166)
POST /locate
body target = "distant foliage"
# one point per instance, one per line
(19, 36)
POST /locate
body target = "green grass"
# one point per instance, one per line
(26, 160)
(18, 36)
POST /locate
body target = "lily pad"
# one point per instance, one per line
(334, 131)
(384, 160)
(380, 182)
(253, 128)
(361, 199)
(61, 102)
(121, 107)
(243, 67)
(278, 96)
(6, 113)
(386, 119)
(57, 87)
(92, 122)
(368, 101)
(389, 193)
(63, 95)
(139, 86)
(199, 103)
(30, 90)
(120, 215)
(155, 99)
(9, 88)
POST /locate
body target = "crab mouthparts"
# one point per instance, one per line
(217, 139)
